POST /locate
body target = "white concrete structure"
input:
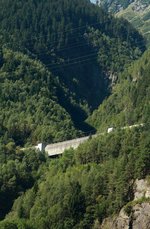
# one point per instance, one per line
(58, 148)
(40, 147)
(109, 130)
(133, 126)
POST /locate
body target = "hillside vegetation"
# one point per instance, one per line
(83, 187)
(56, 64)
(139, 17)
(76, 40)
(59, 60)
(115, 6)
(137, 12)
(30, 111)
(129, 103)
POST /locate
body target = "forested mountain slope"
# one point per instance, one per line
(76, 40)
(137, 12)
(30, 111)
(115, 6)
(138, 15)
(56, 63)
(129, 103)
(83, 187)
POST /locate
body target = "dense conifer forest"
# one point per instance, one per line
(80, 47)
(129, 102)
(60, 61)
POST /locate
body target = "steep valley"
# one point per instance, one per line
(68, 69)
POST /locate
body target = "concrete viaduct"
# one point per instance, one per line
(58, 148)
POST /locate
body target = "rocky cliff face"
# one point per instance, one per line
(139, 5)
(136, 214)
(141, 189)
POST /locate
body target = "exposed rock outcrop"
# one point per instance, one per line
(141, 216)
(139, 5)
(116, 5)
(141, 189)
(137, 215)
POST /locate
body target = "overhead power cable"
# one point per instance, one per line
(74, 63)
(63, 48)
(79, 59)
(67, 64)
(74, 59)
(63, 31)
